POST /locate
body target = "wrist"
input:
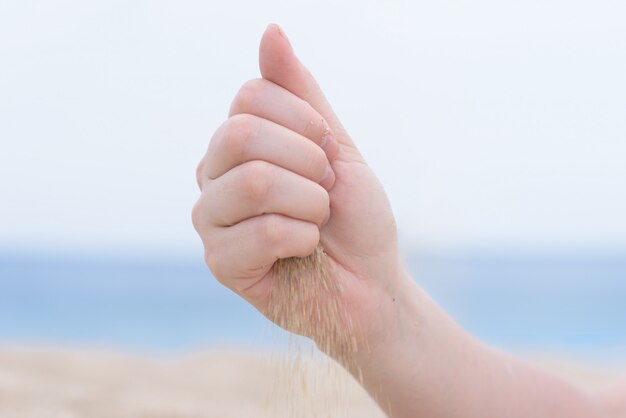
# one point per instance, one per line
(389, 312)
(399, 318)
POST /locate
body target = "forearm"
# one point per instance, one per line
(424, 365)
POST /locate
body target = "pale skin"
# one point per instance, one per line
(282, 175)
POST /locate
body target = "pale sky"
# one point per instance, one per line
(491, 124)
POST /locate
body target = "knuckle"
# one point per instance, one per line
(214, 265)
(247, 96)
(200, 173)
(197, 215)
(239, 131)
(257, 180)
(272, 230)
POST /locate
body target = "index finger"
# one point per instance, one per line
(270, 101)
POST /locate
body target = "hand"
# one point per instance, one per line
(280, 175)
(266, 195)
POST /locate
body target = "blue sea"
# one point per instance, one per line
(570, 302)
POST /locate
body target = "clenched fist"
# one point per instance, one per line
(280, 176)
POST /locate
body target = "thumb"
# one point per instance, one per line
(279, 64)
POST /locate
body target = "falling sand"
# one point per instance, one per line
(306, 300)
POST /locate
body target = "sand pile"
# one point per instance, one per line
(45, 383)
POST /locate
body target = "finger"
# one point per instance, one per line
(257, 187)
(279, 65)
(245, 137)
(242, 254)
(270, 101)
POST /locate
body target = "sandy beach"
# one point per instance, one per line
(217, 383)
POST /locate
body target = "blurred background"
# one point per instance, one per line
(497, 128)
